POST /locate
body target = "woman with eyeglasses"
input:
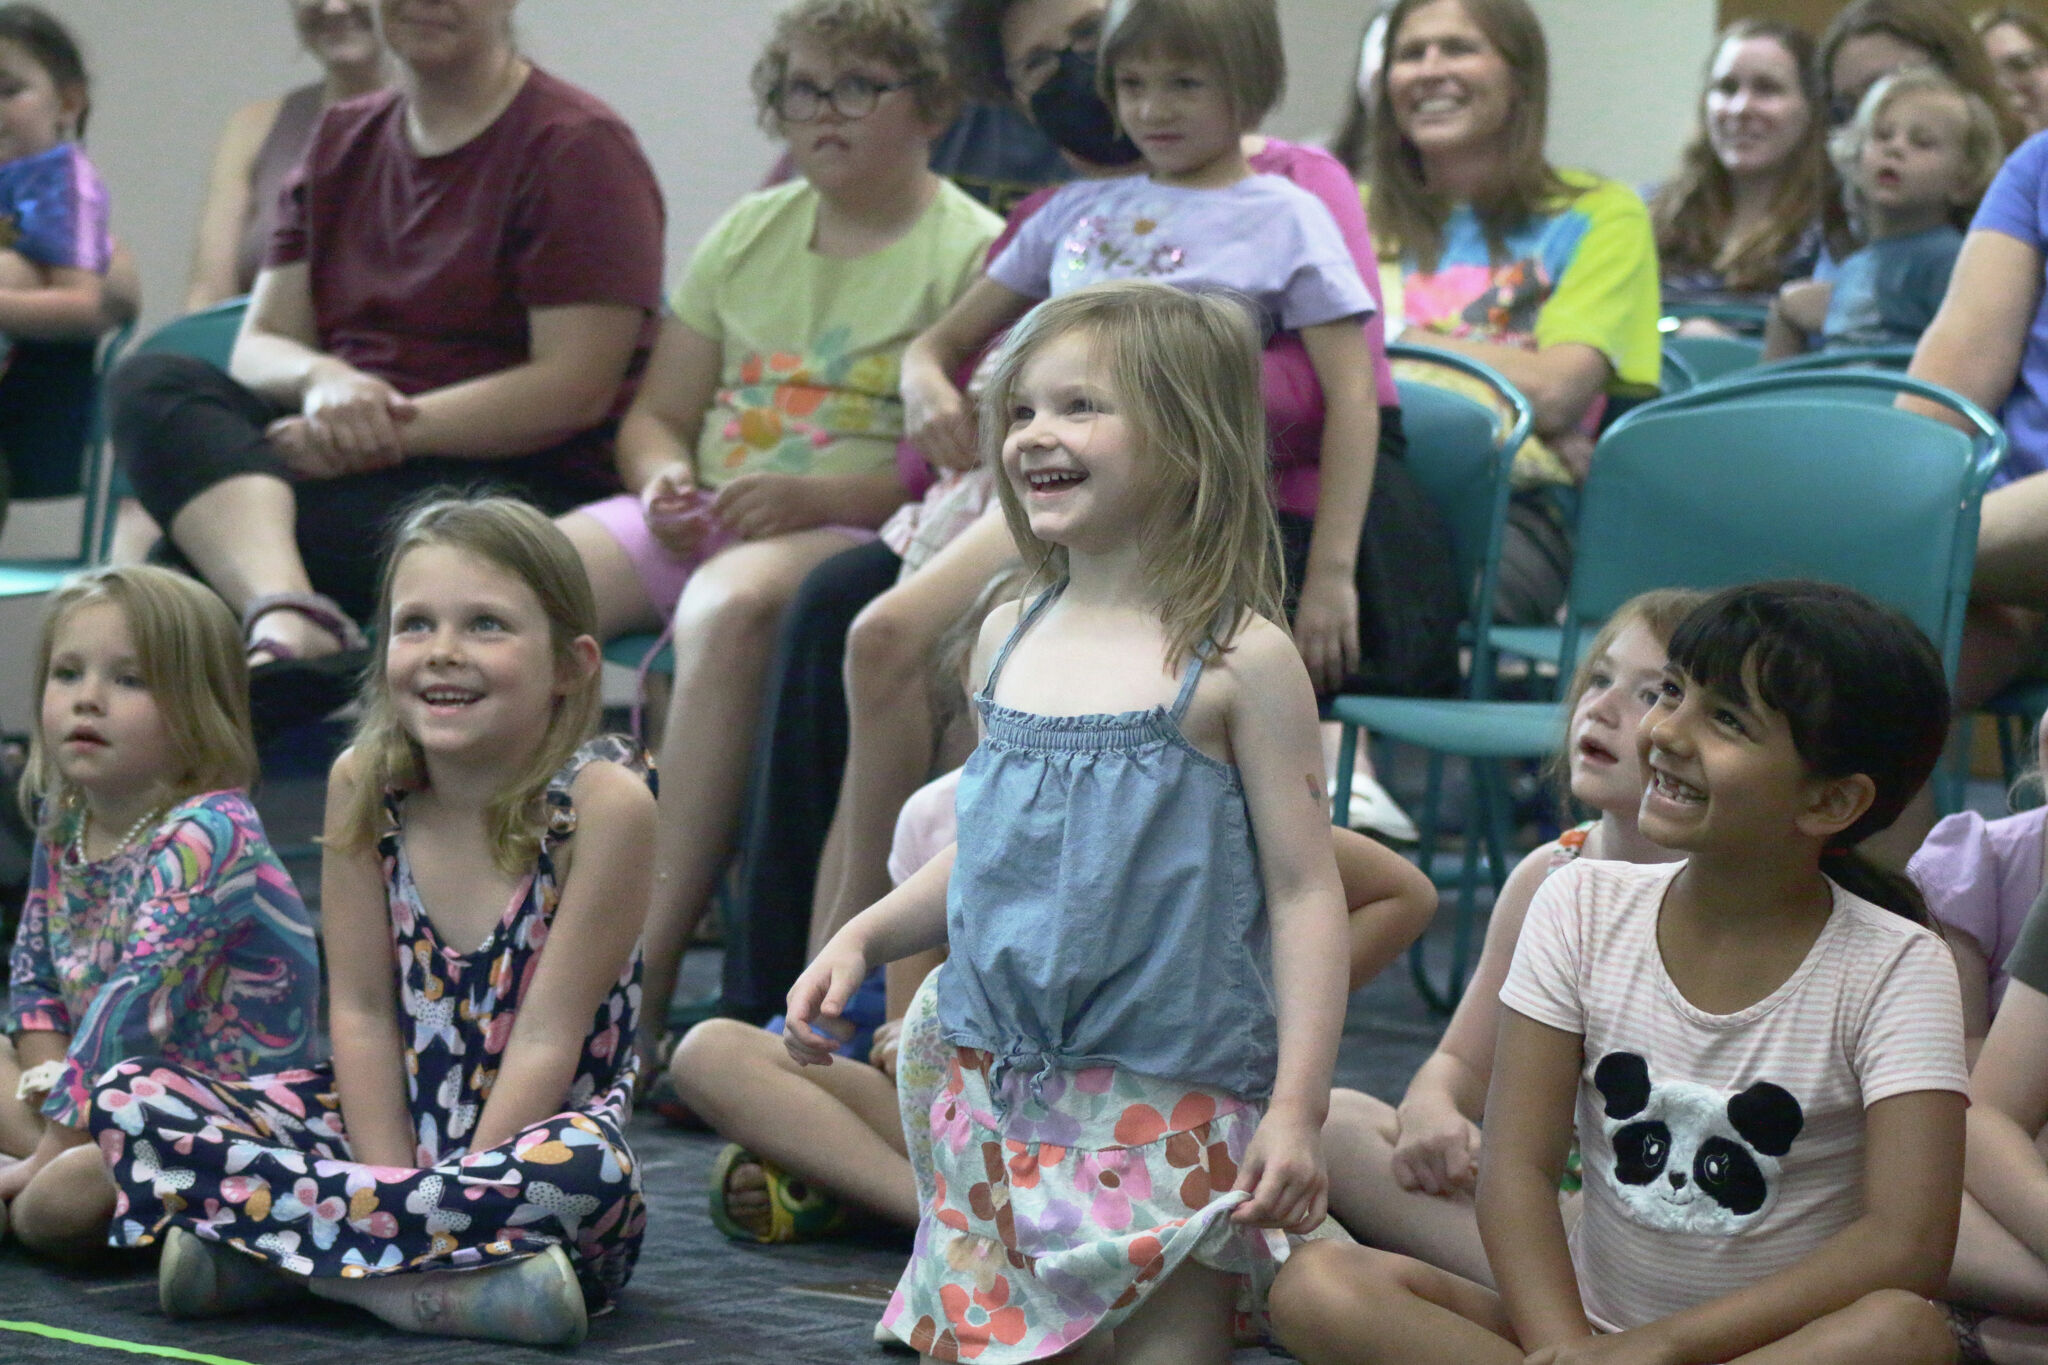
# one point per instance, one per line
(764, 437)
(460, 289)
(2016, 41)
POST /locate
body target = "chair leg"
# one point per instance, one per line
(1347, 763)
(1466, 910)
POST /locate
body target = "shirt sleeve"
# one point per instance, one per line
(2013, 203)
(1607, 297)
(179, 927)
(695, 302)
(588, 226)
(35, 995)
(1957, 871)
(1543, 980)
(60, 212)
(1913, 1037)
(1325, 285)
(1025, 265)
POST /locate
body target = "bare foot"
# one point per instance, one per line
(746, 1198)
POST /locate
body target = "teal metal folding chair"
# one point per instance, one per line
(1709, 358)
(208, 334)
(1772, 476)
(33, 577)
(1461, 449)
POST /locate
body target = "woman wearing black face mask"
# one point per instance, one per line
(1040, 56)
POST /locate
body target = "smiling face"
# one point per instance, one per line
(433, 35)
(1622, 686)
(470, 664)
(1724, 773)
(1450, 88)
(1070, 454)
(100, 721)
(1858, 64)
(836, 153)
(339, 33)
(1914, 156)
(35, 115)
(1756, 112)
(2021, 65)
(1179, 114)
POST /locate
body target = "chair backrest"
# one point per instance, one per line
(1713, 357)
(1677, 374)
(1461, 449)
(208, 334)
(1783, 476)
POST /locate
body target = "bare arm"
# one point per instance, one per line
(2004, 1169)
(227, 205)
(71, 306)
(597, 922)
(1973, 346)
(1391, 902)
(355, 929)
(936, 415)
(1530, 1104)
(1436, 1148)
(1973, 970)
(1326, 622)
(1797, 314)
(1275, 741)
(660, 430)
(1559, 381)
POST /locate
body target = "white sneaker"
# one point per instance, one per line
(1374, 810)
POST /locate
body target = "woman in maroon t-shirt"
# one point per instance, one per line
(461, 290)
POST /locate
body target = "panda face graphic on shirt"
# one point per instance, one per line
(1688, 1158)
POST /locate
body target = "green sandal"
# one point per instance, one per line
(798, 1211)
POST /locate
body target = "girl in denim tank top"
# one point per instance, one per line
(1148, 957)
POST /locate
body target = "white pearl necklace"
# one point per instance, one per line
(148, 820)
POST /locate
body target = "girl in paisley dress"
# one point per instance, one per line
(158, 921)
(461, 1168)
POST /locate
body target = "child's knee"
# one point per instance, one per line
(66, 1208)
(1321, 1287)
(712, 1058)
(1891, 1325)
(725, 604)
(885, 644)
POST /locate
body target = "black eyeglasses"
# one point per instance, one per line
(850, 97)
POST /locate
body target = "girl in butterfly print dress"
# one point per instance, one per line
(473, 1118)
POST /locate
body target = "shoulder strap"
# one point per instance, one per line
(1189, 679)
(1024, 620)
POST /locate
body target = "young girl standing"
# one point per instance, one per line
(472, 1119)
(1143, 911)
(1763, 1042)
(1402, 1178)
(158, 921)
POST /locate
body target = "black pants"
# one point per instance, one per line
(180, 426)
(798, 760)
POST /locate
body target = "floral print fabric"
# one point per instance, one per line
(1057, 1207)
(265, 1165)
(191, 945)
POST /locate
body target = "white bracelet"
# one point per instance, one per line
(38, 1081)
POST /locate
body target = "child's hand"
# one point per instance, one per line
(1326, 629)
(756, 506)
(939, 422)
(1436, 1151)
(887, 1045)
(1283, 1169)
(678, 512)
(812, 1029)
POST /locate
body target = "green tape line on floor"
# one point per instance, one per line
(140, 1348)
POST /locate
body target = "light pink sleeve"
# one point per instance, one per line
(1545, 979)
(1324, 176)
(1912, 1036)
(924, 827)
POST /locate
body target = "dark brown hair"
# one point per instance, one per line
(45, 39)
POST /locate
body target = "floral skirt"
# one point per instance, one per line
(1057, 1217)
(263, 1166)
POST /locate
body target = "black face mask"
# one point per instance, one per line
(1069, 110)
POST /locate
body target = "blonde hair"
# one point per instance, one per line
(1659, 612)
(1983, 149)
(189, 648)
(517, 538)
(1184, 370)
(1409, 215)
(1693, 214)
(896, 33)
(1239, 38)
